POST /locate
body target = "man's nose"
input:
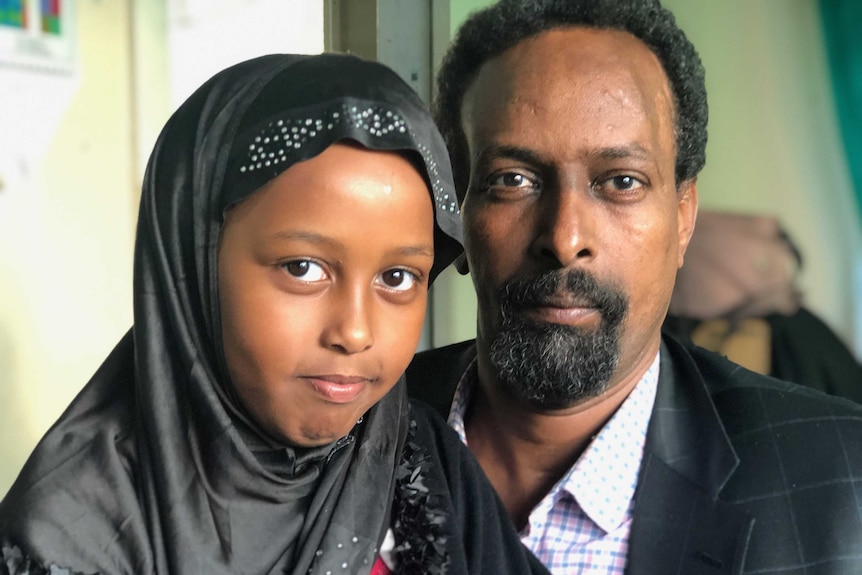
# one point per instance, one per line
(566, 228)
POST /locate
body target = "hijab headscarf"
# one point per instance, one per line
(156, 467)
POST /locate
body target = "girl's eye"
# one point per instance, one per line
(398, 279)
(304, 270)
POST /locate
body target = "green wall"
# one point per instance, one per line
(460, 9)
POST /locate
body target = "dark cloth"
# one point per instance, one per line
(742, 473)
(486, 540)
(806, 351)
(156, 467)
(801, 348)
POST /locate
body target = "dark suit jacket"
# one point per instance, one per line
(742, 473)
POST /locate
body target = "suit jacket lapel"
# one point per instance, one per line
(679, 524)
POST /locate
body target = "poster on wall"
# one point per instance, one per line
(38, 34)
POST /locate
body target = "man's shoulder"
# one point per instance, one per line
(434, 374)
(732, 387)
(799, 465)
(775, 424)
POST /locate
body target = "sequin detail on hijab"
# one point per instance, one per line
(281, 138)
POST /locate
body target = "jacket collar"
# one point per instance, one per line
(686, 431)
(680, 525)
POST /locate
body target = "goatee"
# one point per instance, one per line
(552, 366)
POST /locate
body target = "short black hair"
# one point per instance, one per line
(493, 30)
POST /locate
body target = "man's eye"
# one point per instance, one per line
(625, 183)
(398, 279)
(305, 270)
(510, 180)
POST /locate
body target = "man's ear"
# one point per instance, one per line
(686, 215)
(461, 265)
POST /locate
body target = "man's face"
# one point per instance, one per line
(574, 227)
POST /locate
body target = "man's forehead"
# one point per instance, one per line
(564, 59)
(598, 81)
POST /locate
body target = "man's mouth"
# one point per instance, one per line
(563, 310)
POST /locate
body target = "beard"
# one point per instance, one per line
(552, 366)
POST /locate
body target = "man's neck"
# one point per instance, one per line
(525, 452)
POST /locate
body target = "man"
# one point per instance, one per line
(577, 130)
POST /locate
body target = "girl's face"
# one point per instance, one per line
(323, 280)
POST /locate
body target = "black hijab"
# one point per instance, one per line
(155, 467)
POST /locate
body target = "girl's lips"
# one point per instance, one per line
(338, 389)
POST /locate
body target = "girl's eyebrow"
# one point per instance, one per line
(315, 238)
(294, 235)
(416, 251)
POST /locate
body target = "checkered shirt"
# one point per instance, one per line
(582, 525)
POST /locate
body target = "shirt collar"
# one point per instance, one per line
(604, 478)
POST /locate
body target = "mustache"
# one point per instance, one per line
(576, 284)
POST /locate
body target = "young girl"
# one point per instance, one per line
(294, 211)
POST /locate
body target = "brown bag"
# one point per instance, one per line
(737, 266)
(747, 342)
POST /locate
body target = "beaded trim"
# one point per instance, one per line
(275, 142)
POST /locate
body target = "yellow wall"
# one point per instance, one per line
(773, 148)
(66, 228)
